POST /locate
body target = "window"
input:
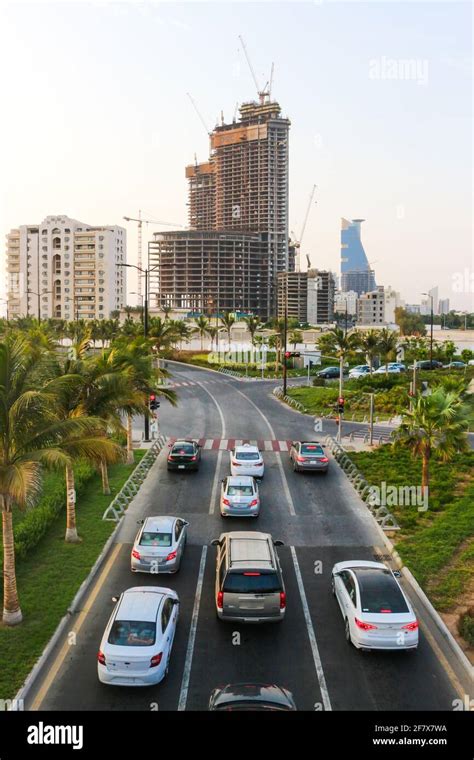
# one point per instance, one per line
(349, 583)
(379, 592)
(56, 243)
(100, 246)
(66, 239)
(44, 248)
(101, 255)
(132, 633)
(166, 614)
(178, 529)
(101, 237)
(44, 232)
(66, 229)
(150, 538)
(257, 583)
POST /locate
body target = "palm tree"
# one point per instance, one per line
(294, 338)
(212, 332)
(388, 342)
(166, 311)
(437, 426)
(180, 331)
(202, 327)
(227, 320)
(369, 343)
(32, 437)
(253, 325)
(160, 333)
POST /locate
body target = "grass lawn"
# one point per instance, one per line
(49, 577)
(436, 545)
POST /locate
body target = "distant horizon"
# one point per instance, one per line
(103, 139)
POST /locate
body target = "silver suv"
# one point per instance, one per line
(249, 580)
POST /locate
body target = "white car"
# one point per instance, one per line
(136, 646)
(246, 460)
(360, 371)
(391, 369)
(376, 612)
(239, 497)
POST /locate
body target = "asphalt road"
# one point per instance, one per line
(320, 522)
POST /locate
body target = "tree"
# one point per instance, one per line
(467, 355)
(409, 322)
(339, 343)
(166, 311)
(294, 338)
(450, 350)
(202, 327)
(227, 320)
(180, 331)
(436, 426)
(160, 333)
(388, 342)
(253, 325)
(32, 436)
(212, 332)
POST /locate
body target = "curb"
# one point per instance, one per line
(34, 673)
(219, 372)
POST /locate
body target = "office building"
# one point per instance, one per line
(356, 273)
(65, 269)
(443, 306)
(371, 308)
(309, 296)
(346, 301)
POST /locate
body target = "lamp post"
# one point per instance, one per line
(43, 293)
(140, 295)
(430, 295)
(285, 331)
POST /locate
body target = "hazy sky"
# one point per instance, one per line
(96, 122)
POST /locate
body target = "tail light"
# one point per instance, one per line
(170, 457)
(253, 503)
(364, 626)
(220, 599)
(323, 459)
(156, 660)
(226, 502)
(193, 459)
(300, 459)
(170, 557)
(282, 600)
(410, 626)
(101, 657)
(236, 464)
(135, 554)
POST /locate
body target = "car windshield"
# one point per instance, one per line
(247, 456)
(183, 448)
(379, 592)
(238, 490)
(251, 583)
(132, 633)
(311, 448)
(155, 539)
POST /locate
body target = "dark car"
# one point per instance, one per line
(252, 696)
(427, 364)
(184, 455)
(330, 372)
(308, 456)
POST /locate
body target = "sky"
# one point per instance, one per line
(97, 123)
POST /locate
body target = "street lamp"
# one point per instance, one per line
(430, 295)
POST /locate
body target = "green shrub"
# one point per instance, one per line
(466, 626)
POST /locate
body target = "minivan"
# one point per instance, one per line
(249, 581)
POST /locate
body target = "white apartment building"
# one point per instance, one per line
(63, 268)
(371, 307)
(393, 299)
(341, 299)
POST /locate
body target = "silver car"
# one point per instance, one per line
(308, 456)
(239, 497)
(159, 545)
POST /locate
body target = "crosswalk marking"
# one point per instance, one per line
(227, 444)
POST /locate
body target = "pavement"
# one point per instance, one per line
(321, 522)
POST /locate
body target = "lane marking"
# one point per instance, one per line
(66, 648)
(283, 445)
(215, 484)
(214, 443)
(183, 696)
(312, 637)
(223, 444)
(286, 487)
(208, 443)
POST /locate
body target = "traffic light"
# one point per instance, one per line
(292, 354)
(153, 403)
(340, 405)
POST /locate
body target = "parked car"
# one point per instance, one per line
(376, 612)
(455, 365)
(251, 696)
(249, 584)
(136, 646)
(388, 368)
(426, 364)
(184, 455)
(246, 460)
(240, 497)
(308, 456)
(360, 371)
(330, 372)
(159, 545)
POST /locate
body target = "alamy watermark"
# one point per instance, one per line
(386, 495)
(400, 69)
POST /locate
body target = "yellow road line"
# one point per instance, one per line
(61, 656)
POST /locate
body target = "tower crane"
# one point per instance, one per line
(297, 242)
(266, 92)
(140, 222)
(200, 116)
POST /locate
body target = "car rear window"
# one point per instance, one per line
(155, 539)
(379, 592)
(247, 456)
(311, 448)
(251, 582)
(132, 633)
(235, 490)
(185, 448)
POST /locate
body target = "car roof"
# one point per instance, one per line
(355, 563)
(161, 524)
(240, 480)
(255, 692)
(140, 603)
(246, 447)
(182, 441)
(250, 549)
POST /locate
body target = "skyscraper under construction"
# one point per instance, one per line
(241, 196)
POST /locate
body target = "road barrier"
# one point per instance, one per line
(380, 513)
(278, 392)
(131, 487)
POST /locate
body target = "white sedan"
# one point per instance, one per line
(394, 369)
(376, 612)
(136, 646)
(246, 460)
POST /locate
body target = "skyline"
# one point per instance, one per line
(106, 132)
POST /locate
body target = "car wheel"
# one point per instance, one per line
(348, 632)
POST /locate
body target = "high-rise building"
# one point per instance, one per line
(356, 273)
(392, 300)
(63, 268)
(346, 301)
(241, 191)
(443, 306)
(309, 296)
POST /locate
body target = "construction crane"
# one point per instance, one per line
(297, 242)
(201, 118)
(140, 222)
(262, 94)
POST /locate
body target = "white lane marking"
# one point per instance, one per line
(254, 443)
(312, 637)
(286, 487)
(223, 444)
(268, 446)
(215, 483)
(183, 696)
(208, 443)
(238, 443)
(283, 445)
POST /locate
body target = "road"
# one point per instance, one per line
(320, 522)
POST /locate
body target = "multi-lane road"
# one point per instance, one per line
(320, 521)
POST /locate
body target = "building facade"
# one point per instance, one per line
(65, 269)
(371, 308)
(309, 296)
(346, 301)
(356, 273)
